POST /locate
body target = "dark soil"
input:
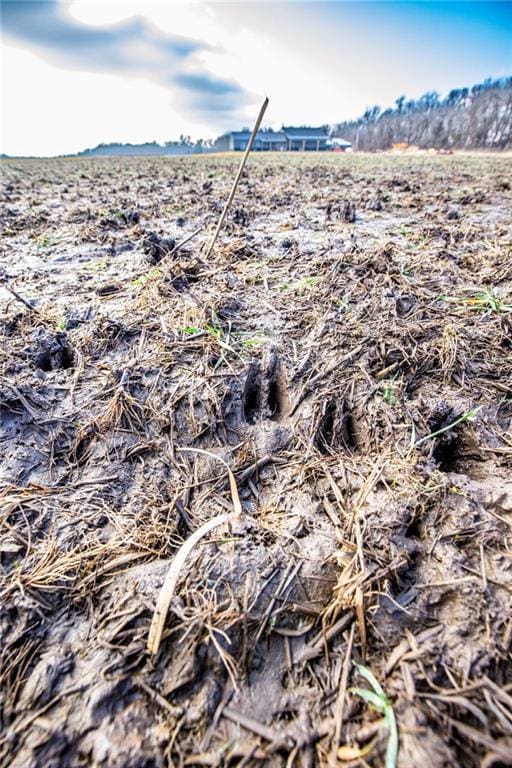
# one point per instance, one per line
(347, 351)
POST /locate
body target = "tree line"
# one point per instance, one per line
(183, 146)
(479, 117)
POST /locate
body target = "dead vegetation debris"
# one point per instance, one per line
(343, 380)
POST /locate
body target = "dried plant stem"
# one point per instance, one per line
(20, 298)
(237, 506)
(340, 702)
(181, 244)
(167, 592)
(238, 176)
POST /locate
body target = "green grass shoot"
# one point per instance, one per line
(467, 416)
(378, 699)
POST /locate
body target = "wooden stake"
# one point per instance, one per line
(238, 176)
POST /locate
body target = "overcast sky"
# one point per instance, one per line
(76, 74)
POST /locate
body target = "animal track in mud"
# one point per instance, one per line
(274, 393)
(411, 539)
(414, 529)
(504, 413)
(456, 450)
(336, 428)
(251, 396)
(53, 353)
(405, 305)
(264, 395)
(447, 453)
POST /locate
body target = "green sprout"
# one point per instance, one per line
(487, 301)
(112, 213)
(45, 241)
(388, 393)
(300, 286)
(95, 266)
(342, 303)
(255, 342)
(62, 324)
(378, 699)
(405, 270)
(146, 277)
(214, 330)
(467, 416)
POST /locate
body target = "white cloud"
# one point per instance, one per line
(47, 110)
(262, 57)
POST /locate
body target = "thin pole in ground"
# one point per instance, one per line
(238, 176)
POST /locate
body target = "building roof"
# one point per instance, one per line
(239, 134)
(287, 133)
(270, 136)
(305, 133)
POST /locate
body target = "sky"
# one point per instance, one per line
(75, 74)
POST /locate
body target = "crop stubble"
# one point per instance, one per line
(351, 307)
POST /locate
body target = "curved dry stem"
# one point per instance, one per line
(166, 593)
(169, 586)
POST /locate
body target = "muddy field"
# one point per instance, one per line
(346, 353)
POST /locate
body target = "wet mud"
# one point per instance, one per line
(346, 350)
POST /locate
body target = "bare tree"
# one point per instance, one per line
(468, 118)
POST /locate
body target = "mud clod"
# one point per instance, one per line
(349, 212)
(156, 247)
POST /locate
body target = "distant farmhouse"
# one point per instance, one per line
(237, 141)
(304, 139)
(287, 139)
